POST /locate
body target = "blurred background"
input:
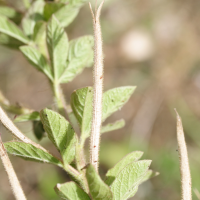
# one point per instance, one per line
(154, 45)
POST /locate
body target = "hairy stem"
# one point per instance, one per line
(186, 193)
(14, 182)
(98, 90)
(15, 131)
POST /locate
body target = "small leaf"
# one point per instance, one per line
(150, 174)
(81, 103)
(98, 189)
(129, 178)
(28, 117)
(80, 56)
(37, 59)
(10, 13)
(29, 152)
(71, 191)
(57, 43)
(113, 172)
(39, 37)
(9, 28)
(38, 129)
(114, 99)
(60, 132)
(34, 14)
(9, 41)
(113, 126)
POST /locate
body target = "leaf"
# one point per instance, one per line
(9, 28)
(39, 37)
(9, 41)
(132, 192)
(113, 172)
(114, 99)
(37, 59)
(60, 132)
(57, 43)
(34, 14)
(129, 178)
(29, 152)
(28, 117)
(80, 56)
(98, 189)
(113, 126)
(71, 191)
(38, 129)
(81, 103)
(150, 174)
(10, 13)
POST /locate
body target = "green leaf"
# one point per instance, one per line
(81, 103)
(98, 189)
(113, 172)
(39, 37)
(71, 191)
(10, 13)
(9, 41)
(34, 14)
(9, 28)
(60, 132)
(132, 192)
(129, 178)
(28, 117)
(37, 59)
(29, 152)
(114, 99)
(57, 43)
(80, 56)
(150, 174)
(38, 129)
(113, 126)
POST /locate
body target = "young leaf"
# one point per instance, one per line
(98, 189)
(37, 59)
(57, 43)
(28, 117)
(34, 14)
(150, 174)
(115, 98)
(9, 41)
(129, 178)
(60, 132)
(113, 126)
(29, 152)
(81, 103)
(71, 191)
(10, 13)
(38, 129)
(9, 28)
(80, 55)
(113, 172)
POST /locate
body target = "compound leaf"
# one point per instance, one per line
(30, 152)
(98, 189)
(9, 28)
(80, 55)
(113, 172)
(71, 191)
(129, 178)
(57, 43)
(60, 132)
(114, 99)
(37, 59)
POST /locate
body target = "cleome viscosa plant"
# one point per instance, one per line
(40, 35)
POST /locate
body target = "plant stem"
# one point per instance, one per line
(14, 182)
(15, 131)
(186, 193)
(98, 90)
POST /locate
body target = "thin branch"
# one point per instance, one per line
(15, 131)
(98, 89)
(14, 182)
(186, 193)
